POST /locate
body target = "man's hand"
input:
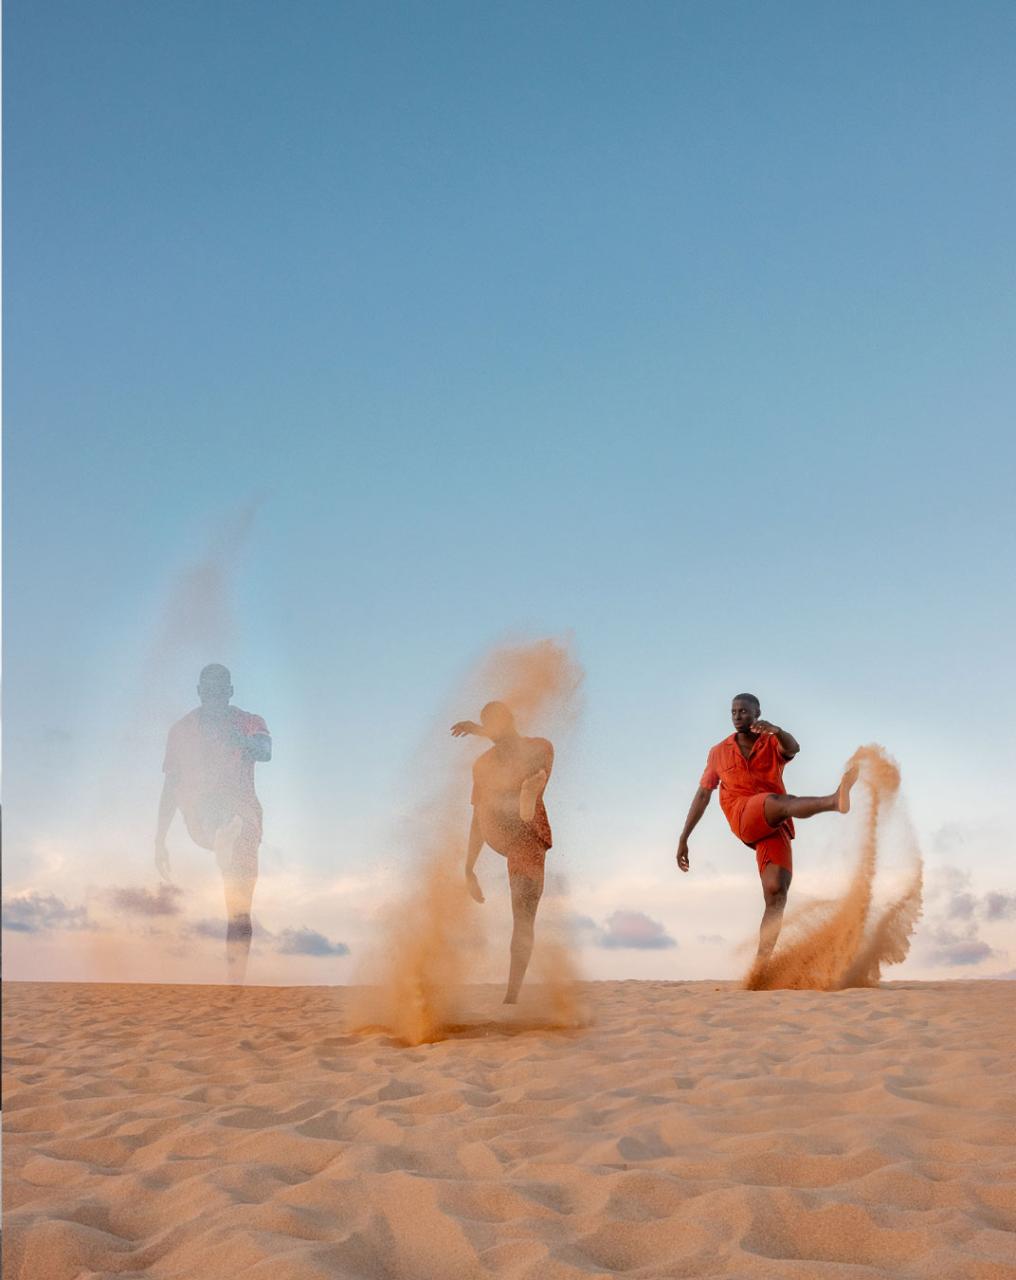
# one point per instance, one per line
(682, 854)
(465, 727)
(162, 861)
(473, 885)
(764, 726)
(256, 745)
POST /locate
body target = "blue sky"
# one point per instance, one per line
(683, 329)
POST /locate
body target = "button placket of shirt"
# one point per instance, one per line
(746, 759)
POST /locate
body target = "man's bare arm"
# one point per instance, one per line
(167, 809)
(699, 804)
(788, 743)
(463, 729)
(472, 853)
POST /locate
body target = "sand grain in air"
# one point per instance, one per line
(693, 1130)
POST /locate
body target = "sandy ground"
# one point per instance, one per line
(690, 1130)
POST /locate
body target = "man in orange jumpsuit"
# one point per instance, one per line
(748, 769)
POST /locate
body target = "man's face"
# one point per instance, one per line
(497, 723)
(743, 714)
(214, 691)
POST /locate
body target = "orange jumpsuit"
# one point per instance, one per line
(744, 785)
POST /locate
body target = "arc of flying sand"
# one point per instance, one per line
(845, 946)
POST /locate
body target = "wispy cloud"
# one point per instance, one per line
(999, 906)
(956, 950)
(308, 942)
(623, 930)
(961, 906)
(584, 929)
(33, 912)
(635, 930)
(953, 938)
(292, 941)
(207, 929)
(139, 901)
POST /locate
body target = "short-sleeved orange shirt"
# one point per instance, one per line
(738, 778)
(213, 774)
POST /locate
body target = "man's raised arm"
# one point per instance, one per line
(254, 739)
(465, 728)
(699, 804)
(789, 745)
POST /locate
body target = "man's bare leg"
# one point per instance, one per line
(775, 884)
(239, 929)
(526, 892)
(779, 808)
(238, 884)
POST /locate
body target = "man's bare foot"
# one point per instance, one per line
(846, 783)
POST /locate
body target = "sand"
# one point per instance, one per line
(694, 1129)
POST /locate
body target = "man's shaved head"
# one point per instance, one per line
(215, 673)
(215, 685)
(745, 709)
(497, 720)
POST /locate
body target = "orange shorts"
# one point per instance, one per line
(771, 844)
(524, 847)
(526, 859)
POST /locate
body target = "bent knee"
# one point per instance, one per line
(776, 898)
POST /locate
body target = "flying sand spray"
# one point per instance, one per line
(431, 941)
(828, 946)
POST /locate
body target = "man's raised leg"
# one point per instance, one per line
(779, 808)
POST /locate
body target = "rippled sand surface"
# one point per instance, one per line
(692, 1129)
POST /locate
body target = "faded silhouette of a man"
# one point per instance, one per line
(209, 768)
(509, 815)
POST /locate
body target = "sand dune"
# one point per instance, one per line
(691, 1130)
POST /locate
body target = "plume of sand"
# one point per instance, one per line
(430, 942)
(832, 945)
(196, 622)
